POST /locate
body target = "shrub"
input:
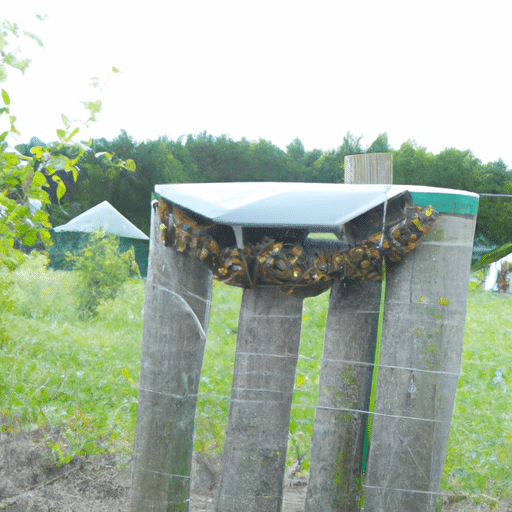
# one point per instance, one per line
(5, 302)
(101, 270)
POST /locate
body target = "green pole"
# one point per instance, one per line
(368, 431)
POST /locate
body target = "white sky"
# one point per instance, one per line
(439, 72)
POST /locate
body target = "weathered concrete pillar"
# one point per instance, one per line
(176, 313)
(261, 397)
(421, 346)
(336, 474)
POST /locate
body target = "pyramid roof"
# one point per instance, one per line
(106, 217)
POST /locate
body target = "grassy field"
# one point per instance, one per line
(479, 453)
(59, 371)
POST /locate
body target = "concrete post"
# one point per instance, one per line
(176, 313)
(421, 346)
(261, 397)
(336, 476)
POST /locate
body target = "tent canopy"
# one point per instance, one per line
(72, 236)
(106, 217)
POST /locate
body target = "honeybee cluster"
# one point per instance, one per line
(303, 267)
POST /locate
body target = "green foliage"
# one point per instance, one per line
(36, 292)
(6, 303)
(453, 169)
(101, 270)
(493, 221)
(27, 179)
(22, 177)
(295, 150)
(21, 193)
(492, 256)
(351, 144)
(11, 57)
(217, 373)
(305, 395)
(412, 165)
(268, 163)
(380, 144)
(59, 457)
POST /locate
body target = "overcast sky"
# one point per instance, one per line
(438, 72)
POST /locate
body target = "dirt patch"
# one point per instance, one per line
(31, 480)
(469, 506)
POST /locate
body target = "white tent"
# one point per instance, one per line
(106, 217)
(72, 236)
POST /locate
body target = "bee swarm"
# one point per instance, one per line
(302, 266)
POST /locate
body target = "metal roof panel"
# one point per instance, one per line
(312, 205)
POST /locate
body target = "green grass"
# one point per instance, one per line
(217, 373)
(307, 378)
(479, 452)
(59, 371)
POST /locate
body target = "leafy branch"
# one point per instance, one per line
(26, 173)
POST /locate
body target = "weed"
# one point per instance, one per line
(58, 455)
(59, 371)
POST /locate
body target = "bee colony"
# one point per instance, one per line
(287, 257)
(270, 239)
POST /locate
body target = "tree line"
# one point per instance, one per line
(206, 158)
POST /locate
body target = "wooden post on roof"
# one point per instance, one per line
(336, 475)
(176, 313)
(369, 169)
(261, 397)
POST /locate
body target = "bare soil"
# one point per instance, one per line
(32, 481)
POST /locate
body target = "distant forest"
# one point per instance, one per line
(206, 158)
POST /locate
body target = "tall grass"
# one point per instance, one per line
(59, 371)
